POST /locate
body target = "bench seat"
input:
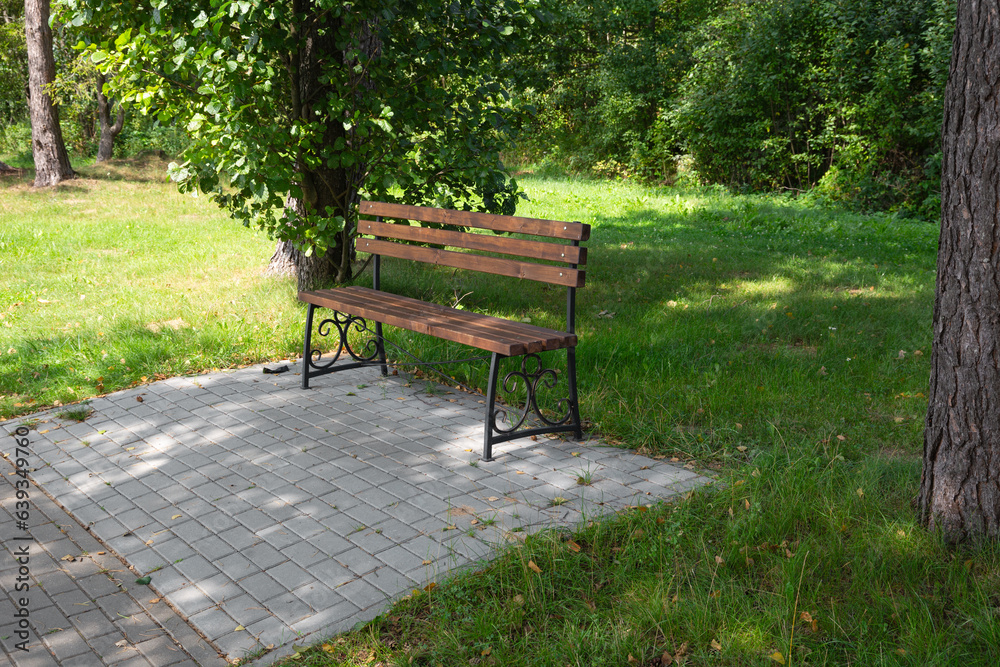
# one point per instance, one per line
(485, 332)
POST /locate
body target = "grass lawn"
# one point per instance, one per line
(785, 347)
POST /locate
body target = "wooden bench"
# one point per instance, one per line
(555, 260)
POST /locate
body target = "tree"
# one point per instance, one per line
(315, 103)
(109, 129)
(13, 64)
(960, 486)
(51, 160)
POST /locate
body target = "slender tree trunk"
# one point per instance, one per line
(51, 160)
(960, 487)
(109, 130)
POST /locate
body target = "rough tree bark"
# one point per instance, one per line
(51, 160)
(324, 189)
(960, 487)
(109, 130)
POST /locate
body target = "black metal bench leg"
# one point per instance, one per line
(306, 351)
(573, 402)
(491, 398)
(381, 348)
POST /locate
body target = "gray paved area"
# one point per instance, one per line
(266, 514)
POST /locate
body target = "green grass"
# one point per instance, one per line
(115, 279)
(784, 346)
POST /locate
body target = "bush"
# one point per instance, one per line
(784, 91)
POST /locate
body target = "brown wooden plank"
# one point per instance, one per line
(466, 327)
(555, 275)
(475, 323)
(573, 231)
(556, 252)
(482, 331)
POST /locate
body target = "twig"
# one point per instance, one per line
(795, 608)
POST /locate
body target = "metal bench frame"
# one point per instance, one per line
(353, 306)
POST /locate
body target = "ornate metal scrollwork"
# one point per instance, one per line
(343, 324)
(533, 379)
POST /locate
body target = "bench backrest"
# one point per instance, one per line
(397, 240)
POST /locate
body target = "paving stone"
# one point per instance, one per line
(66, 644)
(227, 458)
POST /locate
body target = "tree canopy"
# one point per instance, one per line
(321, 101)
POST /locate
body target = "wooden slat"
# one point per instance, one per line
(556, 252)
(573, 231)
(555, 275)
(471, 326)
(482, 331)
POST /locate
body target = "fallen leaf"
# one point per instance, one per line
(176, 516)
(486, 651)
(573, 546)
(492, 499)
(777, 657)
(427, 562)
(632, 659)
(746, 503)
(861, 493)
(101, 553)
(140, 399)
(519, 599)
(239, 628)
(534, 568)
(666, 659)
(69, 558)
(144, 580)
(741, 448)
(431, 586)
(841, 438)
(474, 522)
(155, 601)
(719, 560)
(716, 646)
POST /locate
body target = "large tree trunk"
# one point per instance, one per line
(311, 271)
(51, 160)
(960, 487)
(109, 130)
(324, 189)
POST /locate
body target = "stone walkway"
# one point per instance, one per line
(266, 514)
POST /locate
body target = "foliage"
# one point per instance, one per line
(599, 74)
(845, 95)
(420, 116)
(842, 93)
(13, 64)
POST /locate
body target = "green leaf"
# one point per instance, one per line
(144, 580)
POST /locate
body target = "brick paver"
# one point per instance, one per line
(265, 513)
